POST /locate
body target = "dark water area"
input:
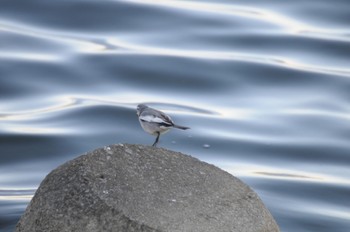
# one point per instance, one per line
(264, 86)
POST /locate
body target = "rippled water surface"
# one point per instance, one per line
(264, 86)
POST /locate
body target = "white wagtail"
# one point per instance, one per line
(155, 122)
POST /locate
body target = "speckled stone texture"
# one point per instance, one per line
(140, 188)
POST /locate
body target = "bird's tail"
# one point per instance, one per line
(181, 127)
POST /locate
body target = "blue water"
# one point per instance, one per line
(264, 86)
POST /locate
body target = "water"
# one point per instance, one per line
(264, 86)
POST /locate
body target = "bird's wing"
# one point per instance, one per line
(166, 118)
(159, 118)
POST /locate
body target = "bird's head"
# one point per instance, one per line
(140, 108)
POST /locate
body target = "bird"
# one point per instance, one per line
(155, 122)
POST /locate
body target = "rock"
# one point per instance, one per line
(142, 188)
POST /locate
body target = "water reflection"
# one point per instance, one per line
(29, 56)
(278, 61)
(289, 24)
(16, 195)
(266, 172)
(55, 38)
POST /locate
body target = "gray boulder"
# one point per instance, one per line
(141, 188)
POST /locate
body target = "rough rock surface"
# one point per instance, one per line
(141, 188)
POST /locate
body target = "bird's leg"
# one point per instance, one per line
(157, 139)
